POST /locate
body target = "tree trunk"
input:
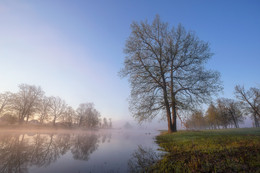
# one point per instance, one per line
(41, 120)
(256, 120)
(21, 120)
(170, 130)
(174, 117)
(80, 120)
(234, 119)
(54, 121)
(168, 111)
(27, 118)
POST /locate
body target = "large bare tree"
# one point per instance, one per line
(250, 101)
(166, 71)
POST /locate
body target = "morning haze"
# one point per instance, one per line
(113, 86)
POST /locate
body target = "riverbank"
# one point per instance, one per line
(230, 150)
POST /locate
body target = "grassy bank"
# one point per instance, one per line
(231, 150)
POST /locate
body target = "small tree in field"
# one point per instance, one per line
(166, 70)
(212, 117)
(196, 121)
(250, 101)
(229, 112)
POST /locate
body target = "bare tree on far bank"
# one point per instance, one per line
(250, 101)
(30, 105)
(69, 116)
(166, 70)
(87, 115)
(26, 101)
(44, 109)
(105, 123)
(110, 123)
(57, 108)
(4, 101)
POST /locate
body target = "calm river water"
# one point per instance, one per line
(75, 152)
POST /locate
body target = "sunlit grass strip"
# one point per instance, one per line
(231, 150)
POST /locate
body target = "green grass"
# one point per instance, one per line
(229, 150)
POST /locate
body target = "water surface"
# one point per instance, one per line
(79, 152)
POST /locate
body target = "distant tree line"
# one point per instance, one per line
(225, 113)
(30, 105)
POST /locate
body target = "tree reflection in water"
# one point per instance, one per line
(142, 160)
(83, 146)
(45, 149)
(20, 151)
(14, 154)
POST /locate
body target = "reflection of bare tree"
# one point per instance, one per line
(106, 137)
(44, 150)
(14, 154)
(142, 160)
(84, 145)
(19, 151)
(63, 142)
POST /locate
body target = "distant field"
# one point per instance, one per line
(229, 150)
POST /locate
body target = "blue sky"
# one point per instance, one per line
(74, 49)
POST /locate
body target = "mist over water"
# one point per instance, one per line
(77, 151)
